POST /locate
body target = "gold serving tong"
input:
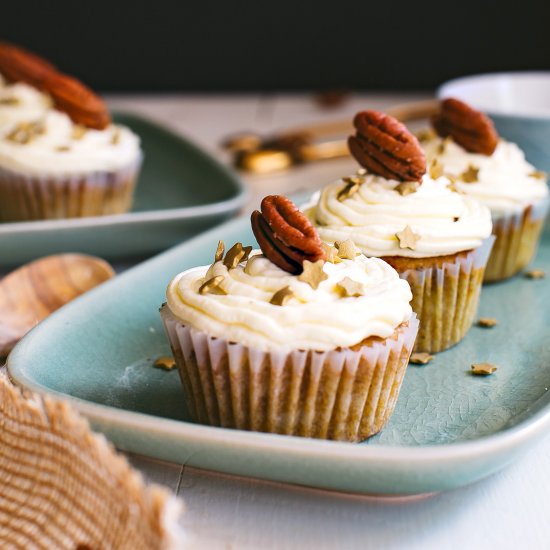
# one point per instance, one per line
(266, 154)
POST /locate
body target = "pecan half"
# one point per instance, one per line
(385, 147)
(20, 65)
(285, 235)
(469, 127)
(79, 102)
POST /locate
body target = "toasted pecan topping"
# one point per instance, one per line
(470, 128)
(385, 147)
(20, 65)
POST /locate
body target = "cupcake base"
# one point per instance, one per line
(445, 293)
(517, 238)
(26, 197)
(343, 394)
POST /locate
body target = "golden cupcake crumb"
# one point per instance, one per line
(487, 322)
(419, 358)
(164, 363)
(535, 274)
(483, 369)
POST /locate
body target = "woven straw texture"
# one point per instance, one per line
(64, 487)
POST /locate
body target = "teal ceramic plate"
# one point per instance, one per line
(181, 191)
(449, 428)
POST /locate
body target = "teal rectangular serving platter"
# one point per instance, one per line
(450, 428)
(181, 192)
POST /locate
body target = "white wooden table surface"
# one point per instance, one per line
(510, 510)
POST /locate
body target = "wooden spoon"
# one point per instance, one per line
(29, 294)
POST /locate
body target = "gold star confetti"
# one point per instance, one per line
(164, 363)
(212, 286)
(407, 238)
(25, 132)
(235, 255)
(350, 188)
(487, 322)
(9, 101)
(539, 174)
(63, 148)
(313, 273)
(115, 139)
(425, 135)
(443, 145)
(347, 249)
(470, 175)
(351, 287)
(361, 172)
(436, 169)
(79, 131)
(535, 274)
(331, 254)
(421, 358)
(281, 297)
(483, 369)
(407, 187)
(220, 250)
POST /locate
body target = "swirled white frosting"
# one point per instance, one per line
(57, 148)
(20, 102)
(505, 182)
(318, 319)
(445, 222)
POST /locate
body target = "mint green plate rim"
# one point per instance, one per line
(331, 465)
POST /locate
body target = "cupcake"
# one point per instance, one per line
(438, 240)
(60, 155)
(297, 338)
(466, 148)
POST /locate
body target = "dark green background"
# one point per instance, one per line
(259, 45)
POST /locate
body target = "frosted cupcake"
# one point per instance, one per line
(316, 350)
(436, 239)
(60, 156)
(494, 171)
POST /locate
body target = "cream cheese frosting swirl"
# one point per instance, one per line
(506, 182)
(319, 319)
(20, 102)
(445, 221)
(58, 146)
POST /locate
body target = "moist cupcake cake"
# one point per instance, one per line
(465, 147)
(60, 155)
(438, 240)
(297, 338)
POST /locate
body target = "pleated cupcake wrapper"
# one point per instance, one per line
(31, 197)
(517, 239)
(446, 298)
(340, 394)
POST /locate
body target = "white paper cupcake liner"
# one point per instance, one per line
(517, 238)
(31, 197)
(446, 298)
(343, 394)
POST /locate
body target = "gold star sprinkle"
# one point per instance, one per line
(425, 135)
(331, 254)
(436, 169)
(164, 363)
(347, 249)
(487, 322)
(351, 287)
(539, 174)
(443, 145)
(361, 172)
(313, 273)
(79, 131)
(421, 358)
(115, 139)
(470, 175)
(235, 255)
(407, 238)
(9, 101)
(218, 257)
(25, 132)
(535, 274)
(407, 187)
(483, 369)
(350, 188)
(281, 297)
(212, 286)
(63, 148)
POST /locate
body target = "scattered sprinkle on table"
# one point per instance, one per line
(535, 274)
(421, 358)
(487, 322)
(483, 369)
(165, 363)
